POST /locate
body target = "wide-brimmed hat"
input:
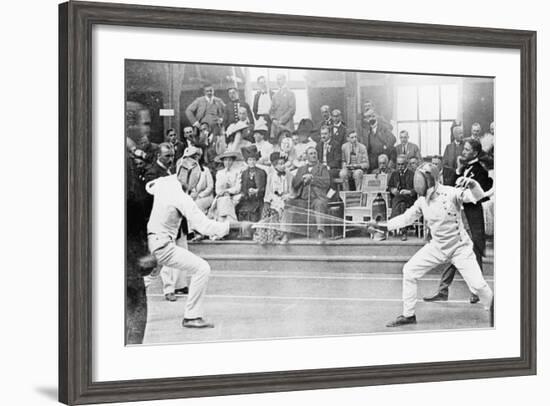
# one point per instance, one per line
(192, 150)
(235, 127)
(275, 156)
(250, 152)
(305, 127)
(260, 126)
(236, 155)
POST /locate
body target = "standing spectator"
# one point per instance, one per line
(451, 154)
(488, 147)
(369, 105)
(311, 185)
(475, 132)
(329, 152)
(437, 160)
(231, 111)
(206, 109)
(253, 181)
(326, 121)
(355, 162)
(173, 138)
(380, 138)
(278, 191)
(283, 107)
(401, 187)
(339, 129)
(407, 148)
(262, 104)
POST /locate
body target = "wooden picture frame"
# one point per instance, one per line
(76, 20)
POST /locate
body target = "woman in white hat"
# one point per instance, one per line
(228, 188)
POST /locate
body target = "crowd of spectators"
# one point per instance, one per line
(256, 164)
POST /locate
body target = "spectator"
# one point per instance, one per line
(146, 150)
(203, 192)
(311, 185)
(380, 138)
(278, 191)
(437, 160)
(161, 166)
(206, 109)
(239, 134)
(283, 108)
(253, 181)
(355, 162)
(339, 129)
(173, 138)
(211, 148)
(475, 132)
(413, 164)
(401, 188)
(264, 147)
(407, 148)
(369, 105)
(231, 111)
(303, 133)
(383, 166)
(488, 147)
(451, 154)
(287, 150)
(262, 105)
(329, 152)
(228, 188)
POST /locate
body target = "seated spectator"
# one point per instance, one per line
(413, 163)
(286, 149)
(228, 188)
(401, 188)
(278, 191)
(383, 166)
(146, 150)
(407, 148)
(355, 162)
(304, 142)
(238, 134)
(265, 148)
(329, 152)
(212, 149)
(253, 181)
(311, 185)
(338, 128)
(173, 138)
(203, 192)
(161, 167)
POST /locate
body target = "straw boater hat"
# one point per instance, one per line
(228, 154)
(261, 128)
(250, 152)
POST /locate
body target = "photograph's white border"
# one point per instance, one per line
(113, 361)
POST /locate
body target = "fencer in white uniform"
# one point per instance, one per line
(440, 205)
(171, 204)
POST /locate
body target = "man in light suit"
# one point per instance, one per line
(206, 109)
(451, 154)
(355, 161)
(283, 107)
(407, 148)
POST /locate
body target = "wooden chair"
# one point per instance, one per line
(354, 210)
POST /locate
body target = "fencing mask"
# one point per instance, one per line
(425, 177)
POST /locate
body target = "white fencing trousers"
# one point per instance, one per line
(187, 263)
(173, 278)
(463, 258)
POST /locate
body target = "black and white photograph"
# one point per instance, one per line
(268, 202)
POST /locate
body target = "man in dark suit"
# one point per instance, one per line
(329, 152)
(339, 130)
(451, 154)
(326, 120)
(470, 167)
(311, 184)
(231, 111)
(161, 167)
(380, 139)
(401, 187)
(173, 138)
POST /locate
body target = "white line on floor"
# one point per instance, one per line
(310, 298)
(343, 277)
